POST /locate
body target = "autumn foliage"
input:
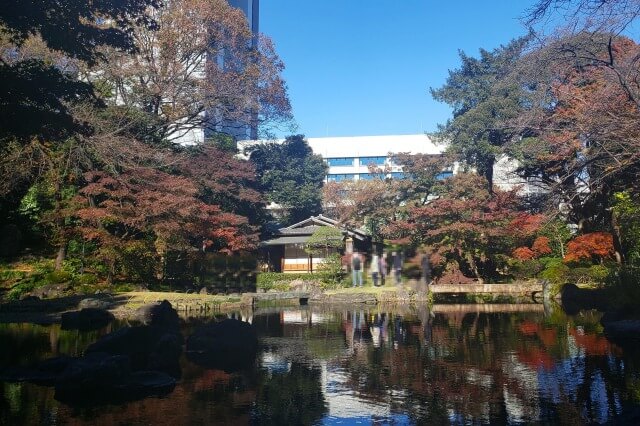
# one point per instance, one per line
(592, 246)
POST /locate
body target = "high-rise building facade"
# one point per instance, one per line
(241, 131)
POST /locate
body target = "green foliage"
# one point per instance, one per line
(623, 285)
(626, 209)
(291, 176)
(138, 262)
(280, 281)
(555, 271)
(558, 234)
(593, 275)
(524, 269)
(482, 101)
(85, 280)
(58, 277)
(323, 240)
(331, 271)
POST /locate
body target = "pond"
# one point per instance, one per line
(451, 364)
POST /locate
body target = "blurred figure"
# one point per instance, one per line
(356, 269)
(397, 267)
(375, 269)
(425, 264)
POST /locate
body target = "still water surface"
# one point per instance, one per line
(453, 364)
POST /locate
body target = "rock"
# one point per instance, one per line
(159, 314)
(50, 291)
(86, 319)
(46, 373)
(297, 285)
(135, 386)
(165, 355)
(575, 299)
(229, 345)
(137, 343)
(94, 303)
(29, 298)
(94, 371)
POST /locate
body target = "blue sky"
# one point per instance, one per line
(357, 67)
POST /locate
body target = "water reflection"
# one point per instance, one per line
(450, 364)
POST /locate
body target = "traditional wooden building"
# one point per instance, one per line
(285, 252)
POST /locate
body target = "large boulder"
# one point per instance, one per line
(156, 346)
(94, 371)
(160, 314)
(142, 345)
(86, 319)
(229, 345)
(99, 378)
(94, 303)
(575, 299)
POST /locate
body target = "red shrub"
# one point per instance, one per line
(524, 253)
(541, 246)
(596, 245)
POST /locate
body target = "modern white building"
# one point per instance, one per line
(349, 158)
(193, 135)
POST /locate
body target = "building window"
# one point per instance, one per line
(342, 161)
(376, 161)
(366, 176)
(397, 175)
(340, 177)
(444, 175)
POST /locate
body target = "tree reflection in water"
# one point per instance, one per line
(451, 364)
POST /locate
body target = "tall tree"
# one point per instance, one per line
(483, 103)
(203, 67)
(466, 227)
(587, 144)
(290, 175)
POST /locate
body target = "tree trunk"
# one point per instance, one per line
(62, 254)
(617, 239)
(474, 268)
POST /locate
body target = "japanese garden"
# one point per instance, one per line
(175, 250)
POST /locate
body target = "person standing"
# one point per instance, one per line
(383, 268)
(426, 269)
(397, 266)
(375, 269)
(356, 269)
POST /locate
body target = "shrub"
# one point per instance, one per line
(555, 271)
(411, 271)
(594, 274)
(524, 253)
(522, 269)
(623, 285)
(589, 247)
(280, 281)
(331, 269)
(85, 279)
(541, 246)
(138, 262)
(58, 277)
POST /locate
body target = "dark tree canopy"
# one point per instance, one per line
(290, 175)
(33, 92)
(483, 102)
(72, 26)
